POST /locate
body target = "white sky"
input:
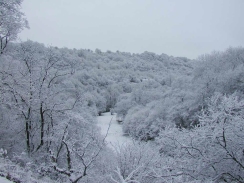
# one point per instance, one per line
(174, 27)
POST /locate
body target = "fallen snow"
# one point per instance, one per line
(115, 136)
(4, 180)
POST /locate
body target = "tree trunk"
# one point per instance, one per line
(42, 124)
(42, 127)
(27, 135)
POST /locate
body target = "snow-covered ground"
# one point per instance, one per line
(115, 135)
(4, 180)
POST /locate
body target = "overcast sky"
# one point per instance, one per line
(186, 28)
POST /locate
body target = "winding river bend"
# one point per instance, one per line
(115, 136)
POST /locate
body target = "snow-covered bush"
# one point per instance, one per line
(17, 173)
(136, 163)
(123, 105)
(143, 123)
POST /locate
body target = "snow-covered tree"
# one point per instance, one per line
(33, 88)
(12, 21)
(136, 163)
(213, 150)
(77, 149)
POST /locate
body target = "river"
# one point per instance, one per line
(109, 125)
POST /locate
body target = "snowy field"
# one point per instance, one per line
(4, 180)
(115, 135)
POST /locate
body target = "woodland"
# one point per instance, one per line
(186, 117)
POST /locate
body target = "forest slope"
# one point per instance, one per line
(50, 98)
